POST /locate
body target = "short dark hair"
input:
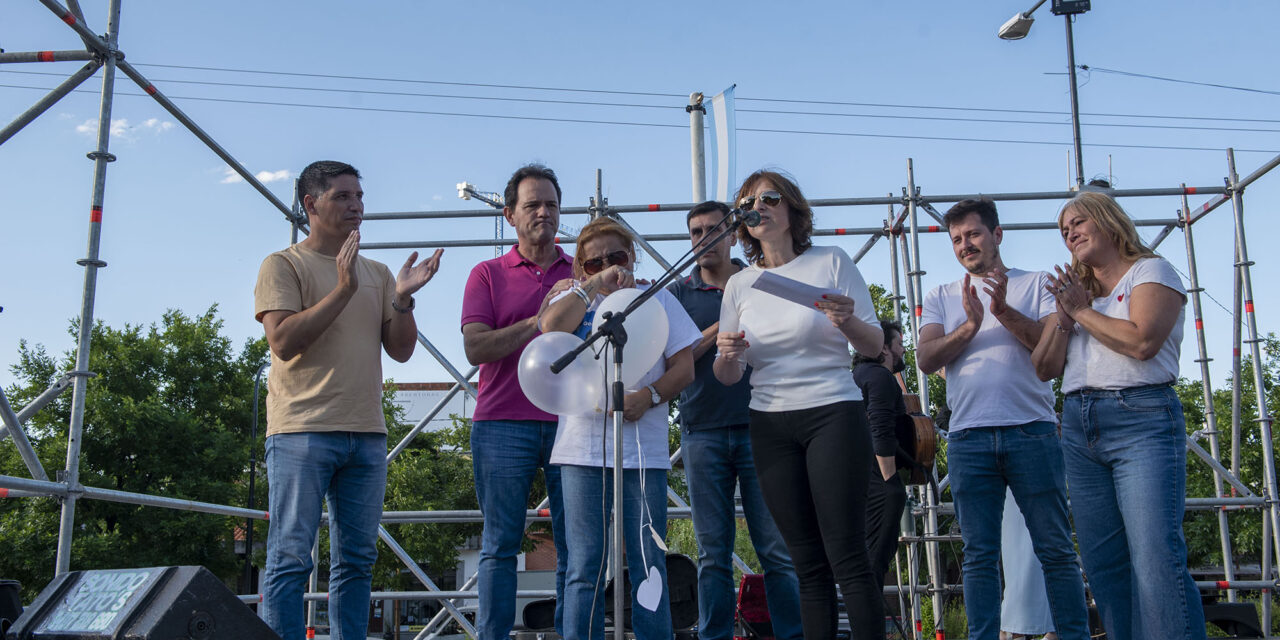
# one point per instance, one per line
(710, 206)
(314, 180)
(890, 328)
(984, 207)
(537, 171)
(801, 220)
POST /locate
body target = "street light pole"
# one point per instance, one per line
(1075, 102)
(1017, 27)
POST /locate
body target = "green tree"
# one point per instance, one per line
(1201, 527)
(167, 414)
(432, 473)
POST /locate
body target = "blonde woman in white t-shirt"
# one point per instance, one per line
(808, 426)
(1116, 344)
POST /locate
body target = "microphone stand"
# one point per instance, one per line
(612, 328)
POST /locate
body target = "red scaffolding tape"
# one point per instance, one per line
(919, 311)
(1223, 584)
(45, 56)
(941, 635)
(1199, 324)
(95, 214)
(840, 232)
(69, 18)
(919, 625)
(311, 633)
(1248, 306)
(266, 515)
(1189, 190)
(544, 513)
(151, 90)
(933, 228)
(4, 493)
(655, 207)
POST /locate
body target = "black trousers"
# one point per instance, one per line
(885, 501)
(814, 466)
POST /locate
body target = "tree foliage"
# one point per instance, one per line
(167, 414)
(1201, 527)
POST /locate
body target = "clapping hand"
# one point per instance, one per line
(1068, 290)
(412, 277)
(995, 285)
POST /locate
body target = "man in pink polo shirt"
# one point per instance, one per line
(511, 438)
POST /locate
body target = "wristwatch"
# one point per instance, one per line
(654, 395)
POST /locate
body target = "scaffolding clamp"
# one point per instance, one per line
(94, 155)
(90, 262)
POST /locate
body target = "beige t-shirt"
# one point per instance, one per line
(336, 384)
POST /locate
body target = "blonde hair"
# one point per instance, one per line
(602, 226)
(1110, 219)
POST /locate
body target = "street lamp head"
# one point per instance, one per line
(1017, 27)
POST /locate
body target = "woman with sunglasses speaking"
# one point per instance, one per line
(808, 426)
(584, 447)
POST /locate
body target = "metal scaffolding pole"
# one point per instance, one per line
(11, 425)
(1206, 386)
(91, 263)
(50, 99)
(1260, 391)
(922, 387)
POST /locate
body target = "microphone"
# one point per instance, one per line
(750, 218)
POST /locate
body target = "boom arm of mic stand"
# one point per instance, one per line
(613, 325)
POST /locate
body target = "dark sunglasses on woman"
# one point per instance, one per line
(771, 198)
(615, 259)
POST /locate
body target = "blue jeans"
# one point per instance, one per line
(350, 471)
(588, 506)
(1027, 459)
(505, 455)
(1126, 454)
(715, 461)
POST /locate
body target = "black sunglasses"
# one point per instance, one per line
(615, 259)
(771, 198)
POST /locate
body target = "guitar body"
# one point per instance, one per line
(917, 436)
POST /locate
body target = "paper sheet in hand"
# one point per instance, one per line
(788, 289)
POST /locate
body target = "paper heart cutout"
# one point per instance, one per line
(1120, 298)
(650, 592)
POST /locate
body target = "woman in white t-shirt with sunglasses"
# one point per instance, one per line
(1116, 343)
(808, 426)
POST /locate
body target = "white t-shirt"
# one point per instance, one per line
(798, 359)
(1091, 364)
(579, 439)
(992, 382)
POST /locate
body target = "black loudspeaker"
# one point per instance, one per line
(682, 593)
(1238, 619)
(169, 603)
(10, 603)
(540, 615)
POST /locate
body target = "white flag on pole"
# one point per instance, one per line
(724, 144)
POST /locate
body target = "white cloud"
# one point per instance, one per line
(273, 176)
(158, 125)
(437, 197)
(229, 176)
(119, 128)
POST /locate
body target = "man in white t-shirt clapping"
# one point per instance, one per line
(1003, 431)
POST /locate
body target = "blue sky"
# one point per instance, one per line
(178, 234)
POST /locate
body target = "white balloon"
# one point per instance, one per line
(646, 334)
(578, 388)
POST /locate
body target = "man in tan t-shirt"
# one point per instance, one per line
(328, 313)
